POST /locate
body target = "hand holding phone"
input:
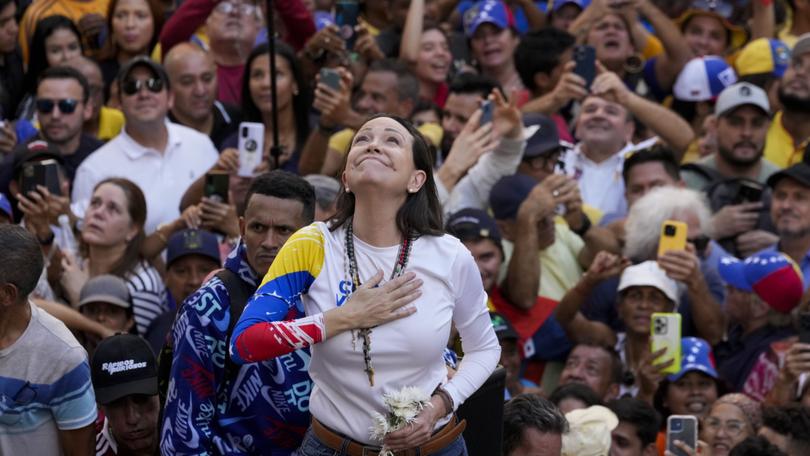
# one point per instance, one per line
(216, 186)
(346, 15)
(682, 428)
(486, 112)
(665, 333)
(44, 173)
(331, 78)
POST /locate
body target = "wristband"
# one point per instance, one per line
(586, 225)
(48, 239)
(445, 397)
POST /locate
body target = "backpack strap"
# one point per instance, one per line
(239, 292)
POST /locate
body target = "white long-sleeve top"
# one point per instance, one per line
(311, 270)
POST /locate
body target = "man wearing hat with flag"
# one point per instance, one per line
(760, 293)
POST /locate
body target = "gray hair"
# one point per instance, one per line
(530, 411)
(643, 225)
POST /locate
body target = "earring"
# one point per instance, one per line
(347, 190)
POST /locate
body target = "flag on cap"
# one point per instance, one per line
(492, 11)
(773, 276)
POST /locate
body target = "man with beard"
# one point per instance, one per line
(790, 130)
(790, 211)
(742, 119)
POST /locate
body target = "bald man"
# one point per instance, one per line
(193, 76)
(104, 123)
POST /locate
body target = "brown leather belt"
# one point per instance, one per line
(440, 440)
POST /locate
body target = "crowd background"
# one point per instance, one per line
(555, 174)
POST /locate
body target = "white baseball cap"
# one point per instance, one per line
(740, 94)
(649, 274)
(703, 78)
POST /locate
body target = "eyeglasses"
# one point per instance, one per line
(66, 105)
(10, 413)
(546, 162)
(701, 243)
(733, 428)
(132, 86)
(245, 9)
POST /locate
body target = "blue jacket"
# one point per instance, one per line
(264, 409)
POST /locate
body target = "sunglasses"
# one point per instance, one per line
(245, 9)
(132, 86)
(66, 105)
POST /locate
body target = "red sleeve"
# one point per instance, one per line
(297, 21)
(184, 22)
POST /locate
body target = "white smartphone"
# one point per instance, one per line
(251, 147)
(683, 428)
(665, 332)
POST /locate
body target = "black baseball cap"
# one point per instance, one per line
(143, 61)
(470, 222)
(503, 329)
(192, 242)
(799, 172)
(545, 140)
(123, 365)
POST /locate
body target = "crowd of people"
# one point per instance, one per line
(442, 187)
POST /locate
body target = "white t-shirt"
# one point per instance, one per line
(163, 176)
(405, 352)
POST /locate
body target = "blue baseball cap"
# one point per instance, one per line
(487, 11)
(696, 355)
(773, 276)
(703, 79)
(471, 222)
(508, 194)
(192, 242)
(582, 4)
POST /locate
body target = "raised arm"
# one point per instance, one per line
(666, 124)
(184, 22)
(412, 32)
(669, 64)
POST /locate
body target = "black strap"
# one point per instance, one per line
(239, 292)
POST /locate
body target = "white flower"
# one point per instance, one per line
(403, 408)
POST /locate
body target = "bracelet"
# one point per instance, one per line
(48, 240)
(445, 397)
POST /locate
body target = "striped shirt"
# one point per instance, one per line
(146, 288)
(44, 387)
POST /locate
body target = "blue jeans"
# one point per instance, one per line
(312, 446)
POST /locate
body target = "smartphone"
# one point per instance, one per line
(216, 186)
(683, 428)
(748, 192)
(804, 327)
(331, 78)
(346, 14)
(251, 147)
(665, 331)
(44, 173)
(585, 58)
(673, 236)
(486, 112)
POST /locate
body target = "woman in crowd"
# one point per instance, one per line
(112, 235)
(56, 40)
(293, 103)
(733, 418)
(426, 49)
(377, 339)
(134, 26)
(493, 48)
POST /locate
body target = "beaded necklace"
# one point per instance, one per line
(399, 268)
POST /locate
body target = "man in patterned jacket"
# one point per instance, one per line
(213, 406)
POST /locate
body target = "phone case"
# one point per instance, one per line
(585, 58)
(683, 428)
(216, 186)
(673, 236)
(331, 78)
(346, 13)
(665, 331)
(44, 173)
(251, 147)
(486, 112)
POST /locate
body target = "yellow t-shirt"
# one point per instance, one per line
(780, 149)
(40, 9)
(110, 123)
(559, 264)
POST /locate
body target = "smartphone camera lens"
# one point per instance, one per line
(669, 230)
(244, 132)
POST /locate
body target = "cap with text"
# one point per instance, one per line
(123, 365)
